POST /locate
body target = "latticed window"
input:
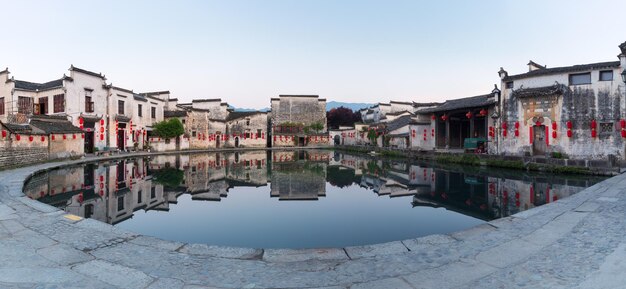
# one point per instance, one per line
(606, 127)
(59, 103)
(24, 105)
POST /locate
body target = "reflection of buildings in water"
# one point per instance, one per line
(299, 180)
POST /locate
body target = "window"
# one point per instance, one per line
(43, 105)
(120, 107)
(606, 127)
(509, 84)
(139, 110)
(606, 75)
(153, 112)
(153, 192)
(120, 203)
(247, 121)
(258, 133)
(247, 134)
(139, 195)
(24, 105)
(193, 133)
(88, 104)
(59, 103)
(1, 105)
(580, 78)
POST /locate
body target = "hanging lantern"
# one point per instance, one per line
(432, 132)
(102, 122)
(554, 134)
(594, 124)
(505, 125)
(622, 123)
(516, 132)
(569, 124)
(594, 133)
(101, 137)
(444, 117)
(80, 120)
(623, 133)
(4, 133)
(569, 133)
(554, 125)
(517, 125)
(433, 117)
(18, 137)
(82, 135)
(30, 138)
(73, 136)
(52, 137)
(43, 138)
(468, 114)
(483, 112)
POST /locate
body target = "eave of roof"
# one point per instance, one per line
(564, 69)
(99, 75)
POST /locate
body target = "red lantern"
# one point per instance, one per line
(433, 117)
(444, 117)
(594, 133)
(43, 138)
(4, 133)
(554, 134)
(516, 132)
(622, 123)
(53, 137)
(101, 137)
(623, 133)
(505, 125)
(432, 132)
(483, 112)
(594, 124)
(504, 132)
(517, 125)
(30, 138)
(569, 124)
(73, 136)
(18, 137)
(468, 114)
(82, 135)
(64, 136)
(102, 122)
(569, 133)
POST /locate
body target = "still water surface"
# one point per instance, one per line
(294, 199)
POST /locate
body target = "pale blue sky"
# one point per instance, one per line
(355, 51)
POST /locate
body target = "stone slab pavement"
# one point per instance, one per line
(577, 242)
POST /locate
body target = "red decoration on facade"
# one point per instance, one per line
(433, 117)
(43, 139)
(18, 137)
(468, 114)
(569, 124)
(623, 133)
(483, 112)
(622, 123)
(30, 138)
(73, 136)
(554, 125)
(64, 136)
(444, 117)
(554, 134)
(594, 125)
(569, 133)
(4, 133)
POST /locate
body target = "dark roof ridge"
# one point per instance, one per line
(207, 100)
(122, 89)
(298, 95)
(6, 70)
(156, 92)
(564, 69)
(401, 102)
(74, 68)
(34, 86)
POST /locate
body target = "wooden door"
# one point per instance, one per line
(539, 140)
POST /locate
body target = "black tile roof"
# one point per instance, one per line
(399, 122)
(55, 126)
(174, 113)
(565, 69)
(151, 93)
(46, 117)
(298, 95)
(240, 114)
(402, 102)
(207, 100)
(122, 89)
(461, 103)
(399, 113)
(621, 47)
(38, 86)
(122, 118)
(18, 128)
(74, 68)
(557, 89)
(425, 104)
(140, 97)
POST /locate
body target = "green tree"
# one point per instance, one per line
(169, 128)
(317, 126)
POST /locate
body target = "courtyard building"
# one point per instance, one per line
(298, 121)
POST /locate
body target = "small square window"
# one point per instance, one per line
(606, 127)
(606, 75)
(580, 78)
(509, 84)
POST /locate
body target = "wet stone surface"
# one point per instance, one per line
(578, 242)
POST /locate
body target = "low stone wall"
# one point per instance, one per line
(12, 157)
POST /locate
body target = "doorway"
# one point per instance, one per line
(236, 142)
(89, 142)
(539, 140)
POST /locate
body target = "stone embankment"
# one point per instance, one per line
(577, 242)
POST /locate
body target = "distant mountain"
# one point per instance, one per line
(351, 105)
(266, 109)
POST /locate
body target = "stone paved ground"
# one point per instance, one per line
(577, 242)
